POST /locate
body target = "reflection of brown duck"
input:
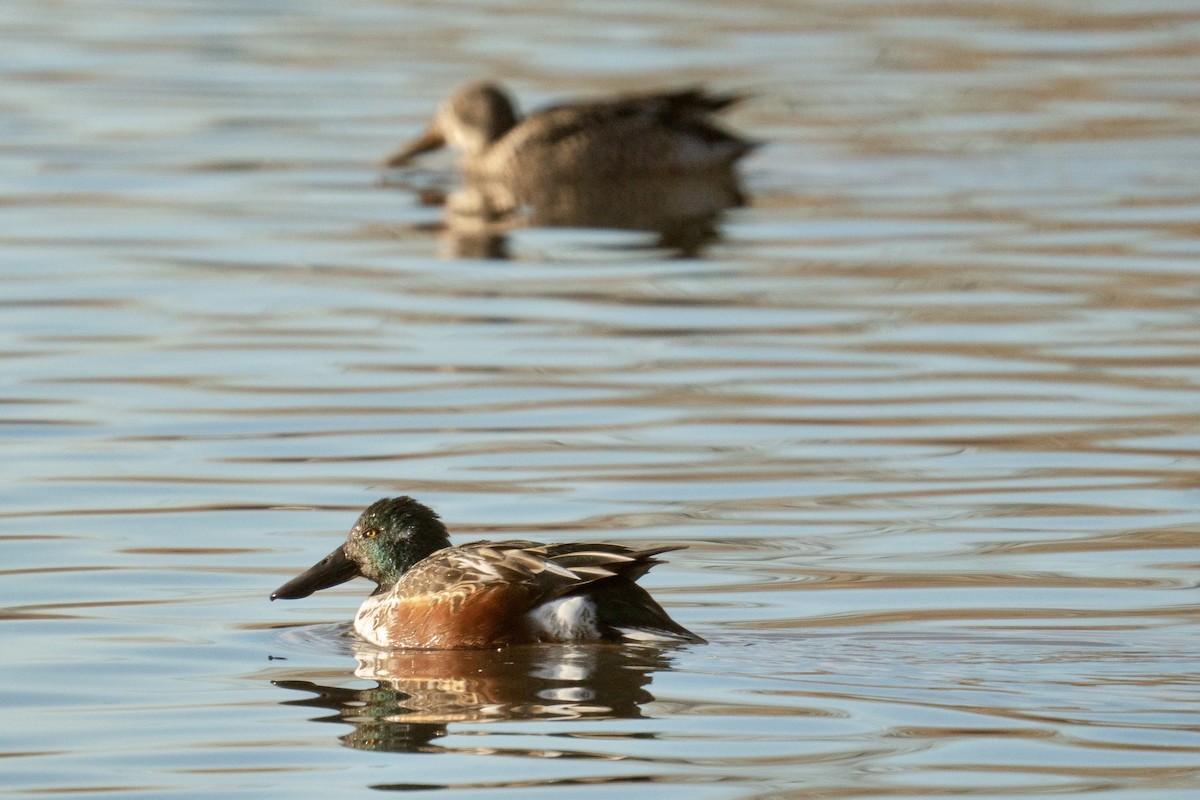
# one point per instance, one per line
(638, 162)
(420, 693)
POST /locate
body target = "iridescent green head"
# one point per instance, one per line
(389, 537)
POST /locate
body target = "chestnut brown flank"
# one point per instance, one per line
(486, 616)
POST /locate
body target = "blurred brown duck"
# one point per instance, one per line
(638, 135)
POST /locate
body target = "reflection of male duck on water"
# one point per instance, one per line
(419, 694)
(653, 162)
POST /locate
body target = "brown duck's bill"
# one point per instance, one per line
(331, 570)
(432, 139)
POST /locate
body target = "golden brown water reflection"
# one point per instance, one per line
(417, 695)
(924, 413)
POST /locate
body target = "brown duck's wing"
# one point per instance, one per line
(690, 103)
(633, 134)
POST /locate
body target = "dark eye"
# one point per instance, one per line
(370, 533)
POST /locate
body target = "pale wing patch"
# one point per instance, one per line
(592, 558)
(547, 565)
(505, 564)
(482, 560)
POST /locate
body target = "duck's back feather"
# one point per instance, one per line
(631, 135)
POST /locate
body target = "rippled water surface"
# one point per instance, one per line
(926, 416)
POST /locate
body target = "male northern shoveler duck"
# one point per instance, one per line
(486, 594)
(630, 135)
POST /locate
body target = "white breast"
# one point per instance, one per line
(370, 621)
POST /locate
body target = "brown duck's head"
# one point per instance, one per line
(469, 120)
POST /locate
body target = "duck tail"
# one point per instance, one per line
(627, 612)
